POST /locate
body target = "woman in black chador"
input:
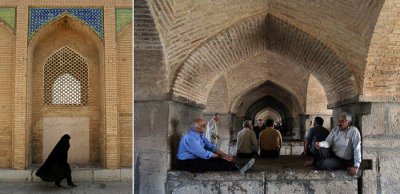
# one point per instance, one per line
(56, 168)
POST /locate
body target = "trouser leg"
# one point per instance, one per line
(325, 159)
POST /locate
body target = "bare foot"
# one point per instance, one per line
(308, 163)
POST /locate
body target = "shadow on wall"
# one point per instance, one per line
(174, 140)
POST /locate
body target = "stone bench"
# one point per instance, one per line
(282, 175)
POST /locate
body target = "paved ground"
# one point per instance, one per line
(83, 187)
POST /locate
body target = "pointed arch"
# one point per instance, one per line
(66, 34)
(255, 35)
(7, 80)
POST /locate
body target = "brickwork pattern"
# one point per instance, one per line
(346, 29)
(316, 98)
(267, 66)
(111, 147)
(7, 65)
(218, 97)
(124, 78)
(20, 131)
(382, 76)
(241, 41)
(64, 32)
(146, 34)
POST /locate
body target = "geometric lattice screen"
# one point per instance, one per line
(66, 79)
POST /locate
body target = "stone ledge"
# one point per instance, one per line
(269, 181)
(78, 175)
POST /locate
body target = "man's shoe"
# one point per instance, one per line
(247, 166)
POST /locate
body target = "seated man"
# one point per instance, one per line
(197, 154)
(247, 143)
(345, 141)
(259, 128)
(270, 141)
(317, 133)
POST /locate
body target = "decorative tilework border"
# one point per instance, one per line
(38, 17)
(122, 18)
(7, 14)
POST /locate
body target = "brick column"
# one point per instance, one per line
(20, 132)
(111, 146)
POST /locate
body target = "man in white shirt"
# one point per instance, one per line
(345, 143)
(247, 143)
(212, 129)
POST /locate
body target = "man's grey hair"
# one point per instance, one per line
(247, 123)
(346, 115)
(216, 114)
(195, 123)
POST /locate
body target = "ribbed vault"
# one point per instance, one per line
(185, 26)
(252, 37)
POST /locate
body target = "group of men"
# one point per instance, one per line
(338, 149)
(262, 137)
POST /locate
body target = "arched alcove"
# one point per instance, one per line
(268, 113)
(7, 65)
(83, 59)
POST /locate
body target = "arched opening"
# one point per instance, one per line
(65, 59)
(7, 65)
(268, 113)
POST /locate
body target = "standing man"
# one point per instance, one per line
(247, 143)
(317, 133)
(259, 128)
(197, 154)
(345, 143)
(212, 129)
(270, 141)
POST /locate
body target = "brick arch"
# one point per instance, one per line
(73, 22)
(268, 112)
(7, 26)
(68, 32)
(241, 104)
(267, 66)
(270, 102)
(381, 80)
(7, 66)
(255, 35)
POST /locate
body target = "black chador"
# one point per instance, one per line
(56, 167)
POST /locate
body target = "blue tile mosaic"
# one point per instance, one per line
(38, 17)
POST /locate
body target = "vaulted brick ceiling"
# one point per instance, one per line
(204, 39)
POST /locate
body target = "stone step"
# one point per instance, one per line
(78, 175)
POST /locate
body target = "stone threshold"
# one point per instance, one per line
(79, 174)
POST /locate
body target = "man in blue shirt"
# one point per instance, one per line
(197, 154)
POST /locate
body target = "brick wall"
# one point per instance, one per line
(65, 32)
(124, 76)
(316, 98)
(7, 64)
(382, 77)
